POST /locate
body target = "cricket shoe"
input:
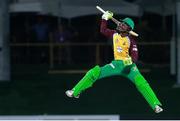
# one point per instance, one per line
(158, 109)
(69, 93)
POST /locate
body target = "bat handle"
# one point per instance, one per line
(103, 11)
(100, 9)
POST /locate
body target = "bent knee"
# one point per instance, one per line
(95, 72)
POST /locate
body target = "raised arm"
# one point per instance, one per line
(105, 30)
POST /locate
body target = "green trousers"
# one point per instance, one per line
(118, 67)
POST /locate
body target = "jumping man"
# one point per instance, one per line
(125, 56)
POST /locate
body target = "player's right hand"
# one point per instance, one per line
(107, 15)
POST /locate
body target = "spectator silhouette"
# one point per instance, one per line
(41, 30)
(63, 35)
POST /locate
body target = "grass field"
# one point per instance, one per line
(32, 91)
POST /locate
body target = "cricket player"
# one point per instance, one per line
(125, 56)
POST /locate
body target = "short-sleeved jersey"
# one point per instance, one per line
(124, 47)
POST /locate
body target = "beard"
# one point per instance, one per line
(123, 33)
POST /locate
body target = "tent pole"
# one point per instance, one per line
(173, 44)
(59, 13)
(178, 44)
(4, 41)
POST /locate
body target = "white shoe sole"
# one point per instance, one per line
(69, 93)
(158, 109)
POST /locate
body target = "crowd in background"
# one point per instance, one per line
(35, 28)
(32, 27)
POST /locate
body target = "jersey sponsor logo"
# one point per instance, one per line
(119, 49)
(112, 65)
(134, 69)
(135, 49)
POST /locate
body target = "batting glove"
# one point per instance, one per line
(107, 15)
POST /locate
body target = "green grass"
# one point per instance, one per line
(32, 91)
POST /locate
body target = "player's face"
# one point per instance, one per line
(122, 27)
(124, 34)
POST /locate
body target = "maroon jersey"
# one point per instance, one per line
(133, 51)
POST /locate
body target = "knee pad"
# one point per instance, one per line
(94, 73)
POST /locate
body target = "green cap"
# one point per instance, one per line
(129, 22)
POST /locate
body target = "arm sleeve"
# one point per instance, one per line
(133, 50)
(105, 30)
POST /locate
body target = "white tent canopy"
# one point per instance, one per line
(161, 7)
(26, 7)
(75, 8)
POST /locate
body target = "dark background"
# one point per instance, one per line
(37, 88)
